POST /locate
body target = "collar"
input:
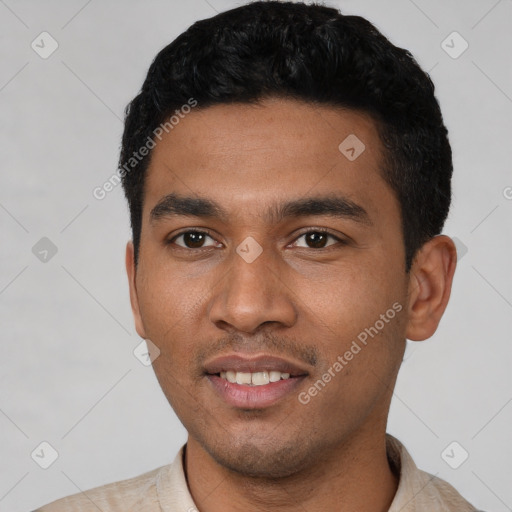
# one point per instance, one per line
(417, 491)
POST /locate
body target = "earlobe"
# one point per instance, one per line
(134, 300)
(430, 284)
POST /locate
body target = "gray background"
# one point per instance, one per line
(68, 374)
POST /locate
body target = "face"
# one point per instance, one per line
(272, 258)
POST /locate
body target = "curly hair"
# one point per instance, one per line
(310, 53)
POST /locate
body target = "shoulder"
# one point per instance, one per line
(122, 495)
(441, 493)
(418, 490)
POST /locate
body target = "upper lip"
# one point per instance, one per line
(251, 364)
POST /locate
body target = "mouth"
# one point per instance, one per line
(246, 382)
(254, 379)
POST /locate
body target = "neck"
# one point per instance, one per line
(356, 476)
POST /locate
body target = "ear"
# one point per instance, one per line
(430, 286)
(134, 300)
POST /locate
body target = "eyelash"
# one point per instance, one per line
(206, 232)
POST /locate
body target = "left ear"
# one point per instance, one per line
(430, 285)
(134, 300)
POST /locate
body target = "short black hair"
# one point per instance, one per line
(310, 53)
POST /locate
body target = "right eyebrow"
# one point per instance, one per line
(173, 205)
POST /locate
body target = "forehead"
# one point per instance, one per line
(248, 156)
(228, 132)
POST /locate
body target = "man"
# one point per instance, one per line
(288, 176)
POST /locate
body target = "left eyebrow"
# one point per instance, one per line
(331, 206)
(173, 205)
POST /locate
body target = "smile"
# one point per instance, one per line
(254, 379)
(250, 381)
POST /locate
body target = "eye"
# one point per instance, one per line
(313, 239)
(192, 239)
(317, 238)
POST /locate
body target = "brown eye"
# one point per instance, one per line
(192, 239)
(317, 239)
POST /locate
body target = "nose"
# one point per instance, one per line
(253, 293)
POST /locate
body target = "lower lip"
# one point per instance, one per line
(253, 397)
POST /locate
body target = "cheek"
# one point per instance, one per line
(169, 309)
(350, 299)
(359, 364)
(358, 317)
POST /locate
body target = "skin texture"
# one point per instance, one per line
(296, 300)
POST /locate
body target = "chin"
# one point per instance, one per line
(266, 459)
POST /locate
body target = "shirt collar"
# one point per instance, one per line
(417, 491)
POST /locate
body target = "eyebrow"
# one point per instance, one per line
(174, 205)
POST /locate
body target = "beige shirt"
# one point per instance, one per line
(165, 490)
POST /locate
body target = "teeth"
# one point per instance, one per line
(260, 378)
(274, 376)
(243, 378)
(254, 379)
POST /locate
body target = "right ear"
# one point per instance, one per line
(131, 271)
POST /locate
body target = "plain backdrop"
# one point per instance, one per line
(68, 375)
